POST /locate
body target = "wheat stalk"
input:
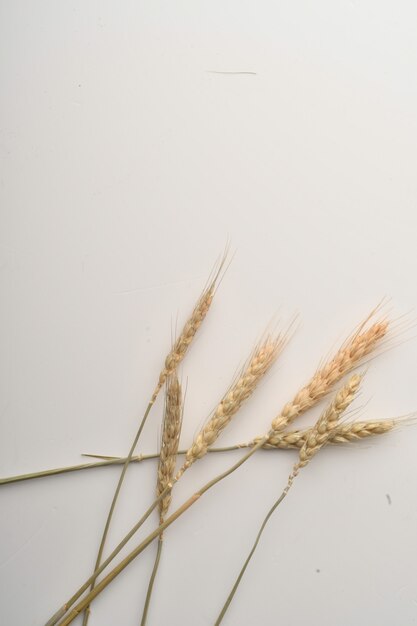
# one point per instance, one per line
(349, 356)
(344, 433)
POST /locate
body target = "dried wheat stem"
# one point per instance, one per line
(113, 506)
(344, 433)
(349, 356)
(250, 555)
(152, 580)
(294, 439)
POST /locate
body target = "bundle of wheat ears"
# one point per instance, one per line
(336, 376)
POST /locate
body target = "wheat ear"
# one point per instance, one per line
(349, 356)
(341, 434)
(169, 442)
(170, 439)
(189, 331)
(317, 438)
(260, 361)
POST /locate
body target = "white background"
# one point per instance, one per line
(126, 163)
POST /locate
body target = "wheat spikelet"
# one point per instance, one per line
(351, 354)
(169, 442)
(257, 365)
(319, 434)
(181, 345)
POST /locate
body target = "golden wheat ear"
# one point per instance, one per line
(192, 325)
(342, 434)
(258, 364)
(352, 353)
(321, 432)
(170, 439)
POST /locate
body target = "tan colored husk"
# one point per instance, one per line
(258, 364)
(326, 423)
(169, 442)
(349, 356)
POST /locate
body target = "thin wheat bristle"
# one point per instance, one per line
(181, 345)
(349, 356)
(257, 366)
(169, 441)
(327, 421)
